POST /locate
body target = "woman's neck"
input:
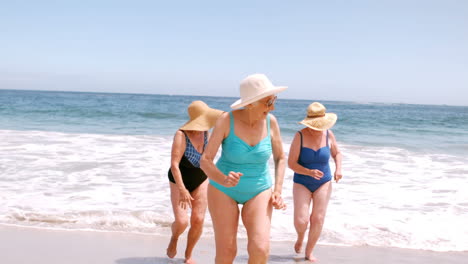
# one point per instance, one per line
(249, 118)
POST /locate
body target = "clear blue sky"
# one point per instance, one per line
(367, 51)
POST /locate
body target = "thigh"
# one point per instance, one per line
(200, 199)
(256, 216)
(179, 212)
(224, 213)
(302, 198)
(321, 197)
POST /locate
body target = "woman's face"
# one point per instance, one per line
(263, 106)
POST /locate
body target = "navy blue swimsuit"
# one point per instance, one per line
(314, 160)
(189, 166)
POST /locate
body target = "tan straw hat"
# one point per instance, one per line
(254, 88)
(202, 117)
(317, 119)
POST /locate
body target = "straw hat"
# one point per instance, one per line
(202, 117)
(317, 119)
(254, 88)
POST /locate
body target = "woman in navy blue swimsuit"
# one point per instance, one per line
(187, 181)
(309, 155)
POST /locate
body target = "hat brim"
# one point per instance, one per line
(320, 123)
(203, 122)
(241, 103)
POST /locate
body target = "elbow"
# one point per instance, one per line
(281, 158)
(337, 156)
(174, 167)
(290, 164)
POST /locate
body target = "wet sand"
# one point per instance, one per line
(20, 245)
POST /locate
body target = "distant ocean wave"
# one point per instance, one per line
(158, 115)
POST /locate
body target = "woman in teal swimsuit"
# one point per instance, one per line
(187, 181)
(241, 176)
(308, 158)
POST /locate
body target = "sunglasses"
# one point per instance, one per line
(271, 101)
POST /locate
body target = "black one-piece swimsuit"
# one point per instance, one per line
(189, 166)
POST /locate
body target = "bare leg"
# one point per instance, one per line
(180, 222)
(224, 212)
(302, 197)
(256, 215)
(196, 219)
(320, 200)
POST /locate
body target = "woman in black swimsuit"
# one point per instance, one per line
(187, 181)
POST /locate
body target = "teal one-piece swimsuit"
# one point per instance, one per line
(251, 161)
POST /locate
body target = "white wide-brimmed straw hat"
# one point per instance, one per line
(255, 87)
(317, 119)
(202, 117)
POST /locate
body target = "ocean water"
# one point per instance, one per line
(93, 161)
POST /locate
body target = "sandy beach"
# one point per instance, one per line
(20, 245)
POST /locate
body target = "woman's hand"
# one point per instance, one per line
(277, 201)
(316, 174)
(232, 179)
(338, 176)
(185, 199)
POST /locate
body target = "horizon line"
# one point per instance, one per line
(297, 99)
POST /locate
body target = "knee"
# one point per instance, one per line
(181, 222)
(317, 219)
(226, 254)
(261, 249)
(301, 221)
(197, 221)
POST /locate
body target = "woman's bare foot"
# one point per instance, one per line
(311, 258)
(190, 261)
(298, 246)
(172, 248)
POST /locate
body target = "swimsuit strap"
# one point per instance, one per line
(268, 125)
(300, 134)
(300, 150)
(186, 137)
(205, 141)
(231, 123)
(187, 141)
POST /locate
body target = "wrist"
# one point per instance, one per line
(277, 191)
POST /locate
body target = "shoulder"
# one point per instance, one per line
(272, 117)
(273, 120)
(223, 119)
(299, 134)
(179, 140)
(330, 134)
(179, 133)
(222, 126)
(179, 136)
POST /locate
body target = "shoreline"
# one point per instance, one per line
(46, 246)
